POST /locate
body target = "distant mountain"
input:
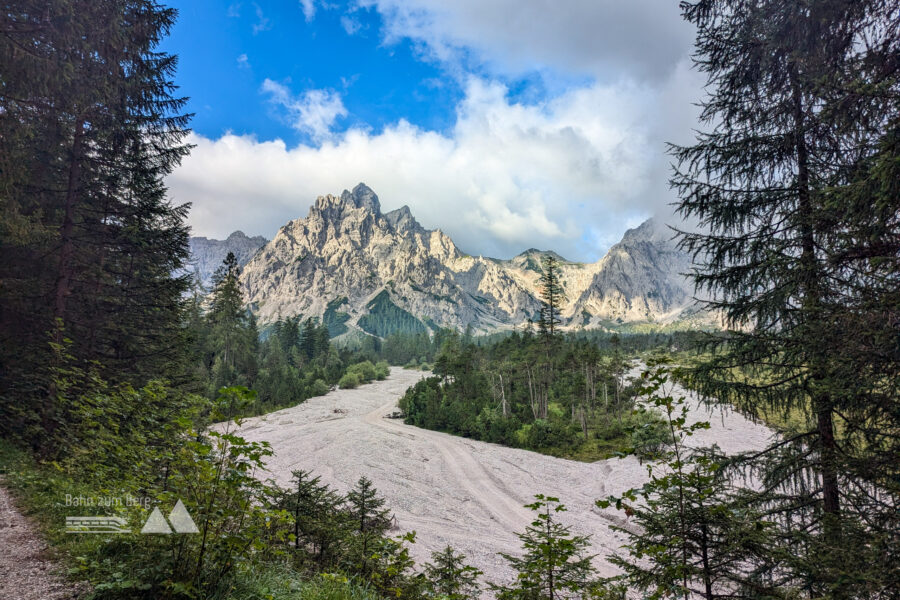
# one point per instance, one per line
(356, 267)
(207, 255)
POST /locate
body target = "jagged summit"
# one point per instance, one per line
(651, 230)
(355, 267)
(534, 252)
(207, 254)
(402, 219)
(362, 196)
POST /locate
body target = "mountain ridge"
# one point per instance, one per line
(355, 267)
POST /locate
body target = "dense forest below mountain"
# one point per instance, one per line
(559, 396)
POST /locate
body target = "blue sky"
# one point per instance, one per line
(228, 49)
(507, 123)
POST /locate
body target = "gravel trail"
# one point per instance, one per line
(453, 490)
(27, 572)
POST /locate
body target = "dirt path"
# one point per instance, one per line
(453, 490)
(26, 570)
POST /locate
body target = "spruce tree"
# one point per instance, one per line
(233, 335)
(801, 96)
(448, 576)
(91, 244)
(694, 532)
(368, 520)
(554, 564)
(552, 296)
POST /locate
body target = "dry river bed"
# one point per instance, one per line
(457, 491)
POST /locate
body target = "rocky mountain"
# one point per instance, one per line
(207, 255)
(353, 266)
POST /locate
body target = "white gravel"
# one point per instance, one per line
(453, 490)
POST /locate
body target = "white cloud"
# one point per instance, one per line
(263, 23)
(243, 61)
(313, 113)
(569, 173)
(350, 24)
(309, 9)
(643, 39)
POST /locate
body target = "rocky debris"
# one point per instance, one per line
(462, 492)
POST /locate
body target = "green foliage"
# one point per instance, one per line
(695, 529)
(382, 370)
(385, 317)
(294, 362)
(558, 395)
(365, 371)
(554, 564)
(793, 184)
(349, 381)
(552, 296)
(369, 521)
(91, 245)
(448, 576)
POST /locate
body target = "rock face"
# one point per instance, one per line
(354, 266)
(207, 255)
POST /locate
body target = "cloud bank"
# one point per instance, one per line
(569, 173)
(607, 39)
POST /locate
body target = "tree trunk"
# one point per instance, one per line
(66, 233)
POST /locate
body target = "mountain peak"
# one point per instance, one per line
(402, 220)
(531, 252)
(362, 196)
(650, 230)
(348, 249)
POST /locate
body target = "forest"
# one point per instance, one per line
(113, 371)
(555, 395)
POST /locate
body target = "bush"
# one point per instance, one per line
(365, 371)
(349, 381)
(318, 388)
(553, 434)
(382, 370)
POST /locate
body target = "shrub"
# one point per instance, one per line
(649, 434)
(365, 371)
(318, 388)
(349, 381)
(382, 370)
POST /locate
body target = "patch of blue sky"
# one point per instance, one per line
(228, 48)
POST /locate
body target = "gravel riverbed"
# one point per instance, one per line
(457, 491)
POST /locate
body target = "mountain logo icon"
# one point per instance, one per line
(179, 518)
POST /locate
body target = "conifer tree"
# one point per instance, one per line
(233, 336)
(90, 242)
(695, 533)
(368, 519)
(554, 564)
(552, 296)
(448, 576)
(802, 94)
